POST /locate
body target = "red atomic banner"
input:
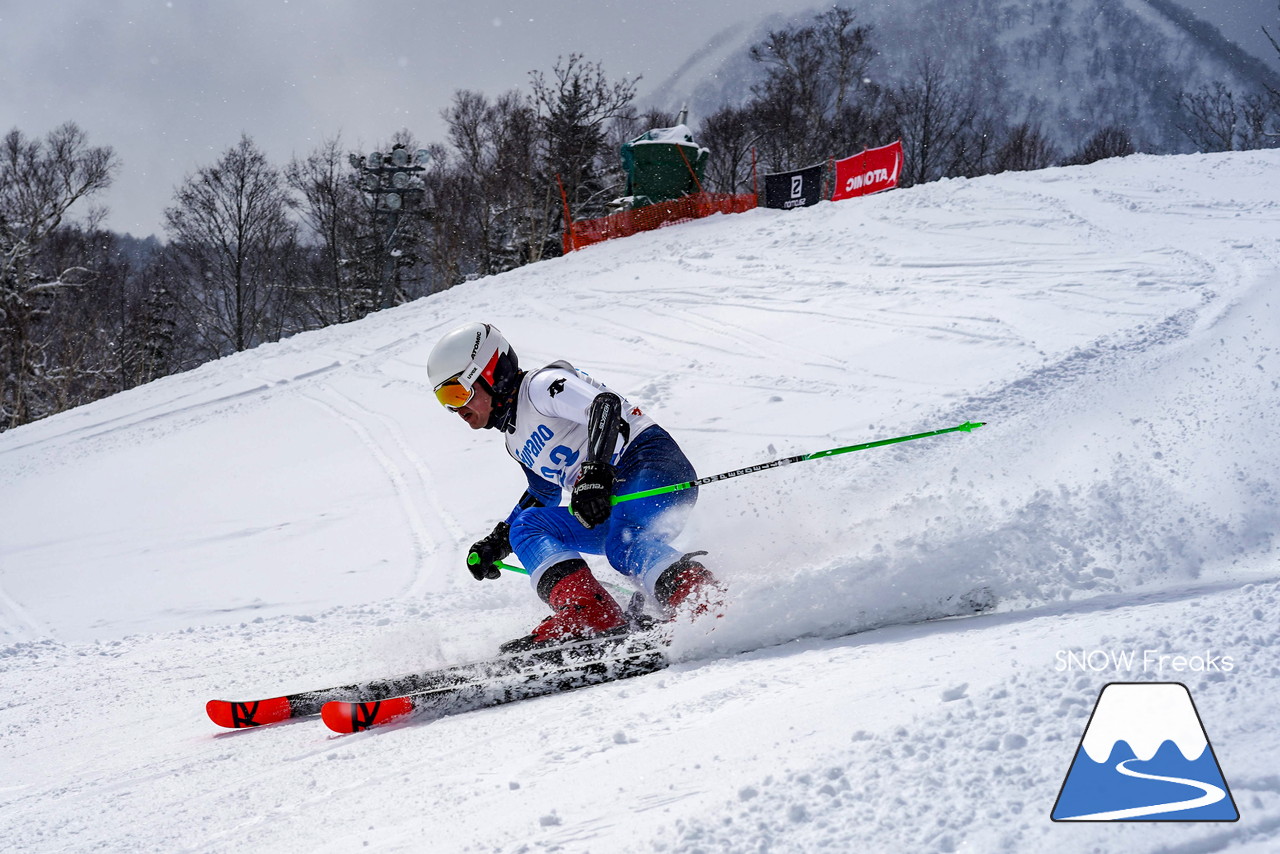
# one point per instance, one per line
(871, 171)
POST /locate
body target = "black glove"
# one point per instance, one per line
(484, 554)
(590, 501)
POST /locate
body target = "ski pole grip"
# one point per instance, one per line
(473, 559)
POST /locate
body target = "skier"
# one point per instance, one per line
(575, 439)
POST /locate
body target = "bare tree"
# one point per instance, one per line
(81, 338)
(449, 243)
(1272, 131)
(334, 287)
(1111, 141)
(730, 133)
(527, 213)
(40, 181)
(476, 131)
(1209, 117)
(494, 205)
(1258, 126)
(1273, 91)
(932, 113)
(813, 83)
(867, 121)
(232, 232)
(975, 148)
(1025, 148)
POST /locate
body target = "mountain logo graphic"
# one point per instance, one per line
(1145, 756)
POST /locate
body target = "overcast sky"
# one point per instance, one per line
(171, 84)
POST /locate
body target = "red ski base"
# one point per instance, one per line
(354, 717)
(234, 715)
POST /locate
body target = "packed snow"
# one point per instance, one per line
(296, 517)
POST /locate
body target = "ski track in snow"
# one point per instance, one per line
(16, 623)
(409, 477)
(1116, 326)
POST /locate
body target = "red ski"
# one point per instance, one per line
(342, 716)
(239, 714)
(250, 713)
(554, 670)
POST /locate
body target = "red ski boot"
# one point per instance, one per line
(583, 608)
(688, 587)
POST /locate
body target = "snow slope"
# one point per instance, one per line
(295, 516)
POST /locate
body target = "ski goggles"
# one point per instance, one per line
(452, 394)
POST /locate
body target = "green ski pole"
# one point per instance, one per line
(967, 427)
(473, 559)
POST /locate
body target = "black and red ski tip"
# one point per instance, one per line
(345, 716)
(236, 715)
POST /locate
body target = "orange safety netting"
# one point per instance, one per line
(625, 223)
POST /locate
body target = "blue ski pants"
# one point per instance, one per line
(636, 538)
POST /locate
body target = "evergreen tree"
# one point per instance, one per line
(574, 109)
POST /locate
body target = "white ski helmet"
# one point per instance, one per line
(474, 352)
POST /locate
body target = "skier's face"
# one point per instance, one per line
(478, 409)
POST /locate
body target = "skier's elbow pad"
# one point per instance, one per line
(604, 420)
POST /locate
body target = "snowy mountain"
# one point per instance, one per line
(1144, 717)
(1074, 66)
(295, 516)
